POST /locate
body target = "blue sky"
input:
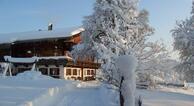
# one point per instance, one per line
(163, 15)
(29, 15)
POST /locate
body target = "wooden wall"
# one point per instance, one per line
(40, 48)
(5, 50)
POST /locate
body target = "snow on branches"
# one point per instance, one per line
(115, 28)
(183, 35)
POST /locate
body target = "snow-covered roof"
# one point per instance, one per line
(55, 57)
(20, 60)
(32, 59)
(35, 35)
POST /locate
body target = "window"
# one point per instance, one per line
(44, 71)
(92, 72)
(68, 71)
(88, 72)
(74, 71)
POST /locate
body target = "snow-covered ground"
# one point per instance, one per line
(34, 89)
(167, 97)
(28, 88)
(189, 85)
(90, 94)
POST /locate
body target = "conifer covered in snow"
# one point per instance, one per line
(183, 35)
(115, 28)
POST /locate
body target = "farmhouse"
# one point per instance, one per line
(49, 52)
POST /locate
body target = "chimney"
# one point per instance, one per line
(50, 27)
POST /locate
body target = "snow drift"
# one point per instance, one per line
(32, 75)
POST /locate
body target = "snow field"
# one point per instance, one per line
(49, 98)
(33, 89)
(90, 94)
(30, 89)
(167, 97)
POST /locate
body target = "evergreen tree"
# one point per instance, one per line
(115, 28)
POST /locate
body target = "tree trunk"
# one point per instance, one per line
(121, 96)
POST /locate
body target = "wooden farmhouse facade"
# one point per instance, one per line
(49, 51)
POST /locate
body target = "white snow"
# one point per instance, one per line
(33, 89)
(91, 94)
(21, 90)
(127, 65)
(77, 31)
(34, 35)
(32, 75)
(189, 85)
(167, 97)
(20, 60)
(32, 59)
(55, 57)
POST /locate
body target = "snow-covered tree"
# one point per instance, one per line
(183, 35)
(148, 55)
(116, 28)
(158, 69)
